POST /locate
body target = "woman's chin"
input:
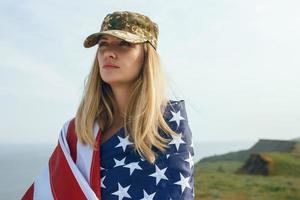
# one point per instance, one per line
(113, 82)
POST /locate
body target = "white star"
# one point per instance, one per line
(122, 192)
(159, 174)
(119, 162)
(102, 180)
(177, 140)
(176, 117)
(147, 196)
(190, 160)
(167, 155)
(192, 144)
(184, 182)
(132, 166)
(124, 142)
(142, 159)
(101, 168)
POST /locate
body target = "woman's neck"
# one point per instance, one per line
(121, 94)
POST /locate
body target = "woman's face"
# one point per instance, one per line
(119, 61)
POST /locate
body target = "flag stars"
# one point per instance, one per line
(128, 175)
(124, 142)
(122, 192)
(159, 174)
(177, 140)
(119, 162)
(176, 117)
(184, 182)
(102, 180)
(192, 144)
(190, 160)
(142, 158)
(147, 196)
(133, 166)
(101, 168)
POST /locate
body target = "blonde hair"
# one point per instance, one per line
(144, 114)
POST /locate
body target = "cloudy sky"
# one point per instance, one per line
(235, 63)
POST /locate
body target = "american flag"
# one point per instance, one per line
(116, 172)
(126, 175)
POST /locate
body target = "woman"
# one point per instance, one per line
(127, 141)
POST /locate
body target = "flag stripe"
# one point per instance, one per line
(62, 178)
(29, 193)
(95, 168)
(60, 174)
(42, 188)
(85, 156)
(72, 139)
(76, 171)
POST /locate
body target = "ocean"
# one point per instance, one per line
(21, 163)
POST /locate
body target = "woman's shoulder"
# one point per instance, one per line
(68, 122)
(176, 102)
(175, 109)
(177, 119)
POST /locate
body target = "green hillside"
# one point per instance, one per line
(216, 177)
(297, 139)
(284, 164)
(260, 146)
(225, 185)
(232, 156)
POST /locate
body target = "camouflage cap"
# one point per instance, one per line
(129, 26)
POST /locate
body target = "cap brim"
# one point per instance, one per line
(93, 39)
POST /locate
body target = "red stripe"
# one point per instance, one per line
(29, 193)
(95, 168)
(72, 139)
(63, 183)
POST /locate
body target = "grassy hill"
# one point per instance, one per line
(297, 139)
(260, 146)
(225, 185)
(215, 177)
(231, 156)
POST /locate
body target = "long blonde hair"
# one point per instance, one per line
(144, 114)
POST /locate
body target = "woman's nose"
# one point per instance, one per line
(109, 52)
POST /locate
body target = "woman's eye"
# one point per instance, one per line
(102, 44)
(121, 44)
(124, 43)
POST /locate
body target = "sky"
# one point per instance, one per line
(235, 63)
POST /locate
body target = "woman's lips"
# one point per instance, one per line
(110, 66)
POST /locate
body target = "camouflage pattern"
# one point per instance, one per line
(129, 26)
